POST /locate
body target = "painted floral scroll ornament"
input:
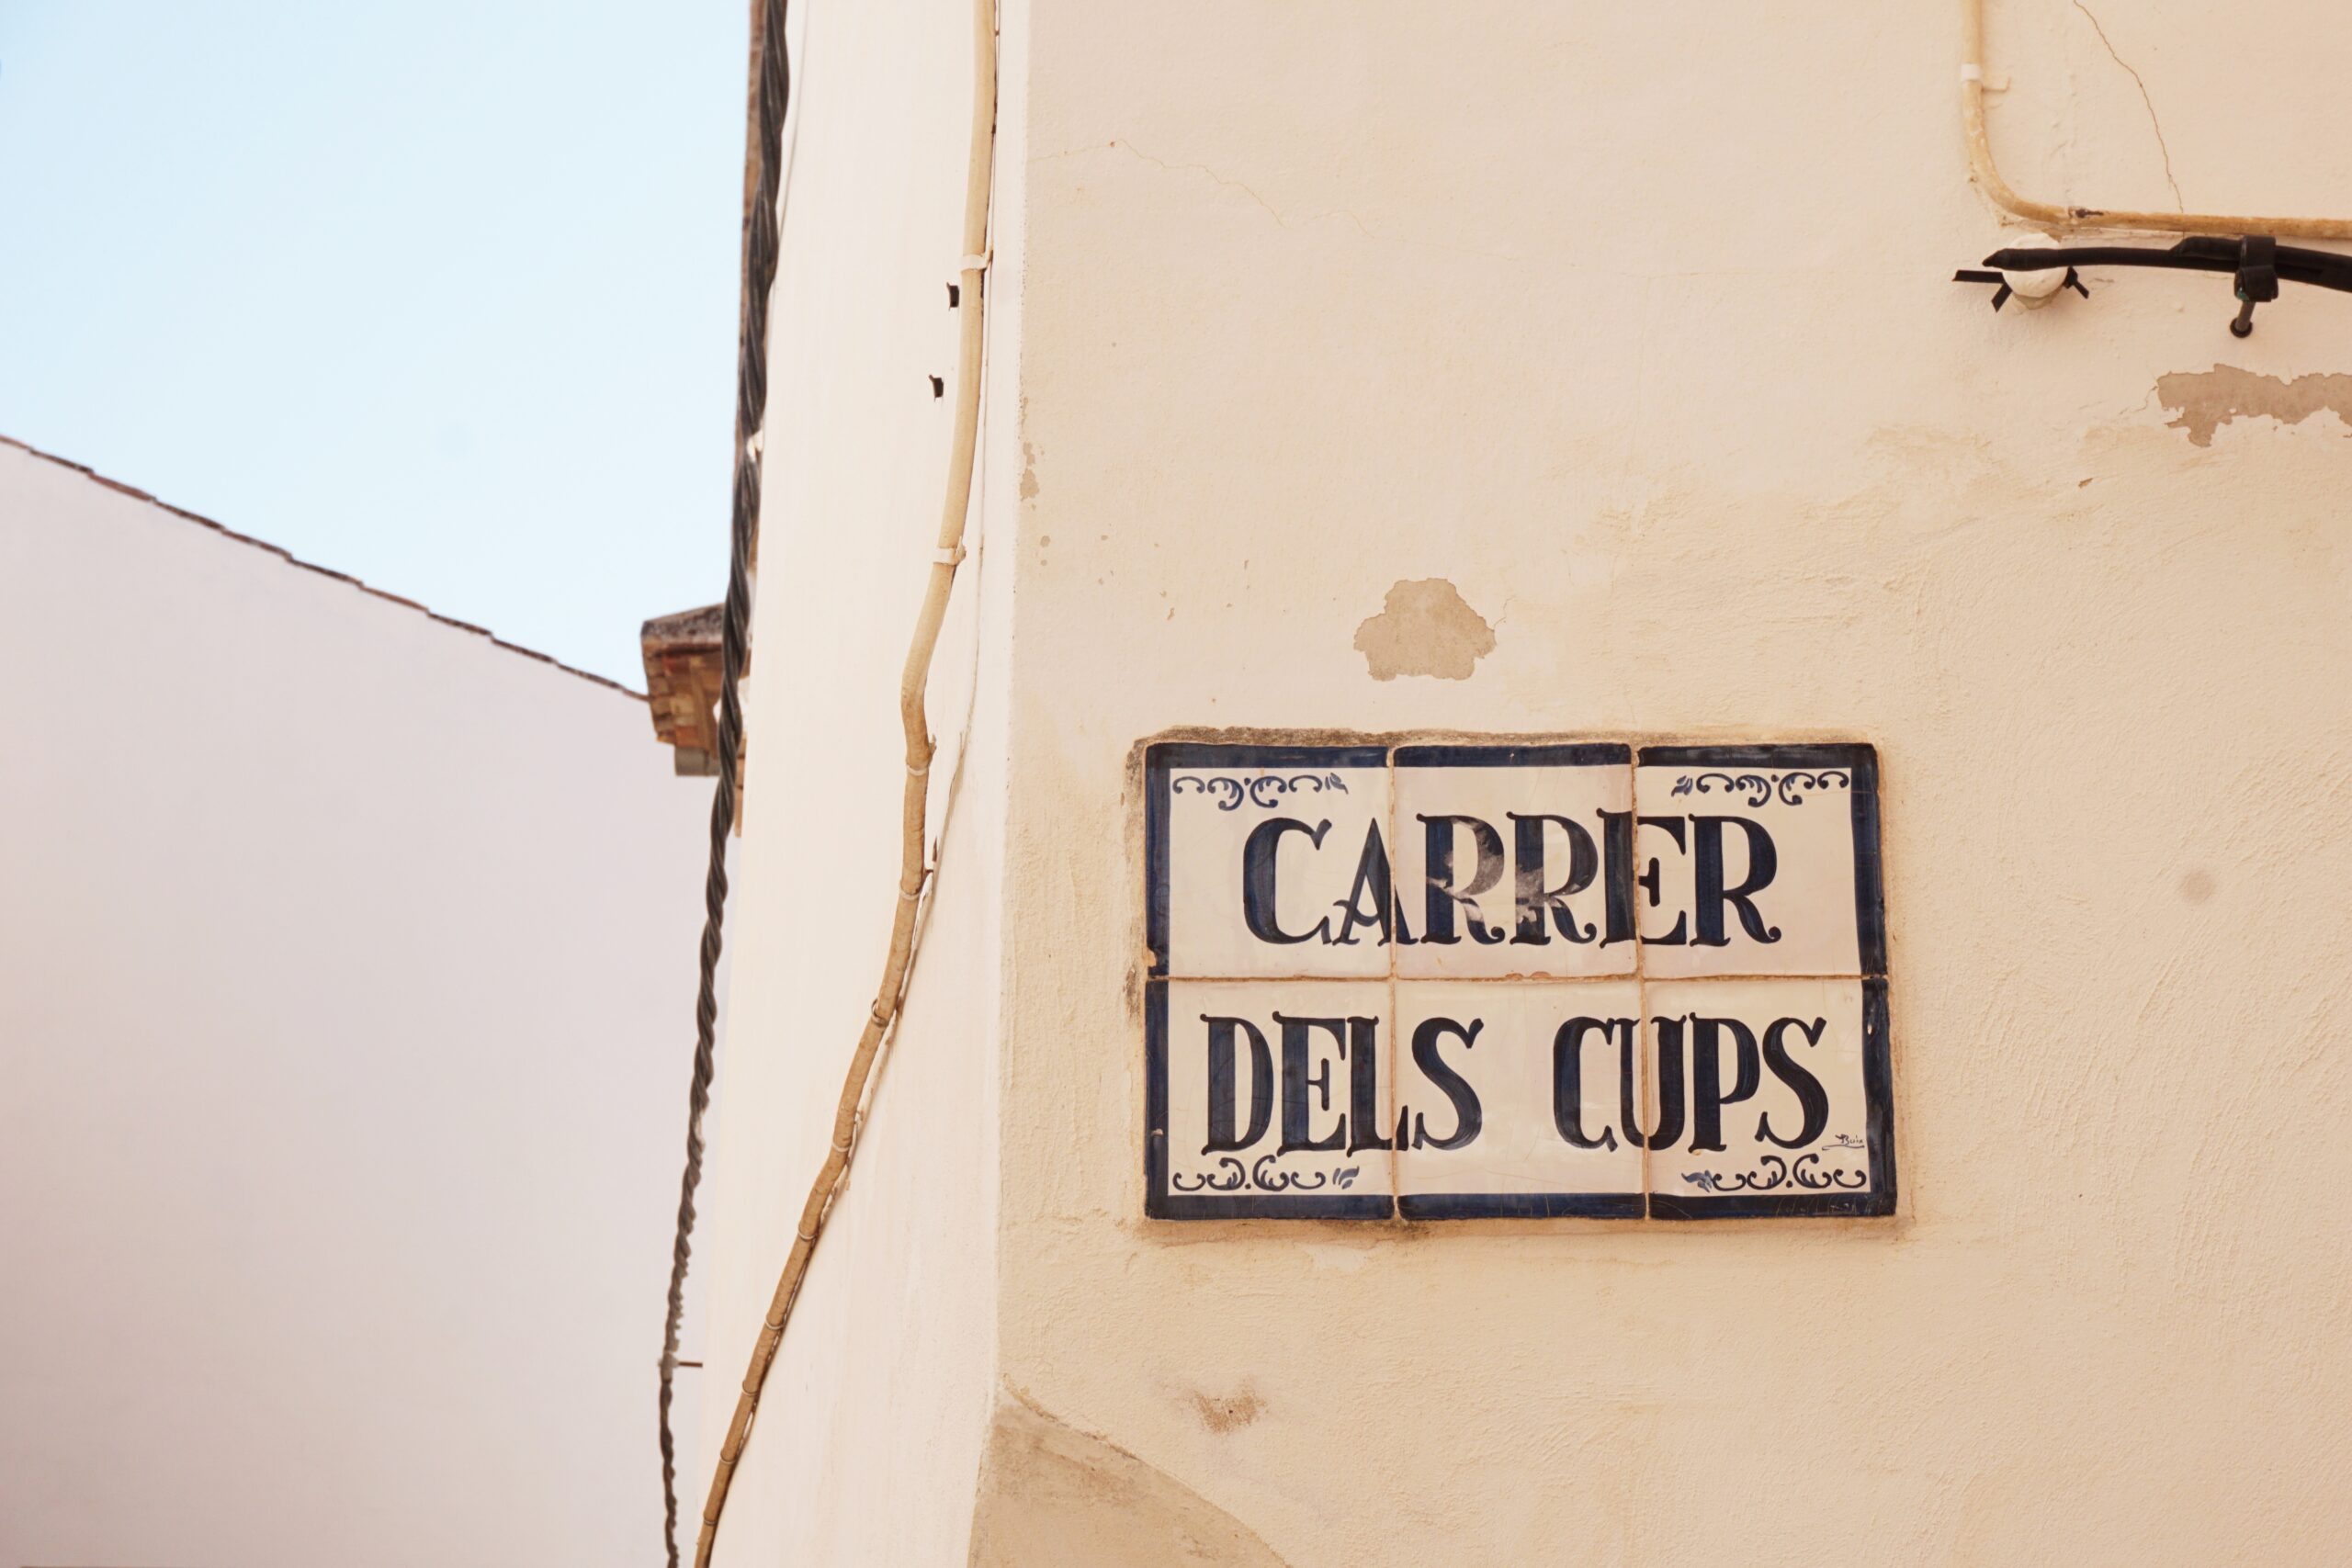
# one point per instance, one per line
(1231, 1176)
(1808, 1173)
(1265, 790)
(1761, 787)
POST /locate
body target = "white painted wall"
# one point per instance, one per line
(1635, 324)
(346, 966)
(869, 1432)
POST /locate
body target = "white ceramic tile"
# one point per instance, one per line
(1742, 866)
(1759, 1098)
(1519, 884)
(1312, 820)
(1247, 1077)
(1508, 1073)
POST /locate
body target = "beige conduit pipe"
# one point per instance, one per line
(913, 684)
(1988, 179)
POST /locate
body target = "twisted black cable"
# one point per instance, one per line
(751, 401)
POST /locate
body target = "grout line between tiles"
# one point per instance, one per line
(1641, 983)
(1391, 1112)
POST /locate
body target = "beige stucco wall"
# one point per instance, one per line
(346, 999)
(1635, 325)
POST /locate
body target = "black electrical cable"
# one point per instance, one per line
(2294, 264)
(771, 94)
(2260, 263)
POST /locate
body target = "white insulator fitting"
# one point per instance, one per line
(2034, 288)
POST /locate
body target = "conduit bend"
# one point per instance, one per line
(913, 686)
(1988, 176)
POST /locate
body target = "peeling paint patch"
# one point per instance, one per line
(1425, 627)
(2203, 400)
(1050, 1493)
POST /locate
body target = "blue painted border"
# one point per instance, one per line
(1870, 866)
(1245, 754)
(1795, 754)
(1518, 1205)
(1155, 857)
(1155, 1097)
(1574, 754)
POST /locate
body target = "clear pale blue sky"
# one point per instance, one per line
(441, 293)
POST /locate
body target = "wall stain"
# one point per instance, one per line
(2204, 401)
(1229, 1413)
(1425, 627)
(1028, 471)
(1051, 1494)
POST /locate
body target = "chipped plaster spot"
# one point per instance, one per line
(1231, 1413)
(1343, 1259)
(1425, 627)
(2203, 400)
(1050, 1493)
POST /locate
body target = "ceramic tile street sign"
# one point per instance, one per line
(1470, 981)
